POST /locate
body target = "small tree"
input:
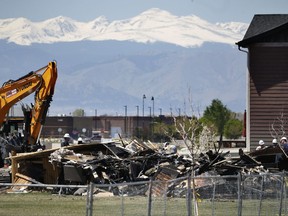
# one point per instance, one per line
(218, 115)
(196, 137)
(233, 129)
(277, 127)
(78, 112)
(162, 132)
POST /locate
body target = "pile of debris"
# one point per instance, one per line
(117, 162)
(113, 163)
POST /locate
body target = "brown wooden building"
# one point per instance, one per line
(266, 45)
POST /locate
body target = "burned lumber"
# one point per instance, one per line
(162, 177)
(210, 161)
(22, 180)
(247, 158)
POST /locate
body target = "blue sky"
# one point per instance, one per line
(87, 10)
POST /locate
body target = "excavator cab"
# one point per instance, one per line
(11, 138)
(11, 125)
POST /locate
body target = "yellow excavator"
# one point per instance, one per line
(42, 82)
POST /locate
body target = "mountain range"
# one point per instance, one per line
(105, 66)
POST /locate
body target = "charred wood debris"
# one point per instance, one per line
(135, 161)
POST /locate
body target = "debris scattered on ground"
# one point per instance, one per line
(22, 180)
(118, 162)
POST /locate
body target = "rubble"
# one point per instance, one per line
(118, 162)
(22, 180)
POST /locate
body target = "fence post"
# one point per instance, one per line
(165, 198)
(122, 202)
(149, 198)
(261, 195)
(89, 205)
(282, 192)
(188, 200)
(239, 194)
(213, 197)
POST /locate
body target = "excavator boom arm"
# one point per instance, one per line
(13, 91)
(43, 97)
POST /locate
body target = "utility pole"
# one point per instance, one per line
(125, 121)
(152, 105)
(144, 97)
(95, 119)
(137, 122)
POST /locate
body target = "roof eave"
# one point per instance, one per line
(245, 42)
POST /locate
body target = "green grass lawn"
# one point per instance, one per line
(41, 204)
(47, 204)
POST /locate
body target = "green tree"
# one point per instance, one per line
(162, 131)
(218, 115)
(79, 113)
(233, 129)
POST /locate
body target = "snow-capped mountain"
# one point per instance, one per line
(153, 25)
(107, 65)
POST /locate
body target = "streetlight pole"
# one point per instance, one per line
(150, 125)
(137, 122)
(152, 105)
(144, 97)
(152, 133)
(125, 121)
(137, 111)
(95, 119)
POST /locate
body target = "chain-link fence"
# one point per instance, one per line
(263, 194)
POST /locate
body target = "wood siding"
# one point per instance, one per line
(268, 70)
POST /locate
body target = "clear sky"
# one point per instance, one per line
(87, 10)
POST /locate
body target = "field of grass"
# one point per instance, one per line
(41, 204)
(31, 204)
